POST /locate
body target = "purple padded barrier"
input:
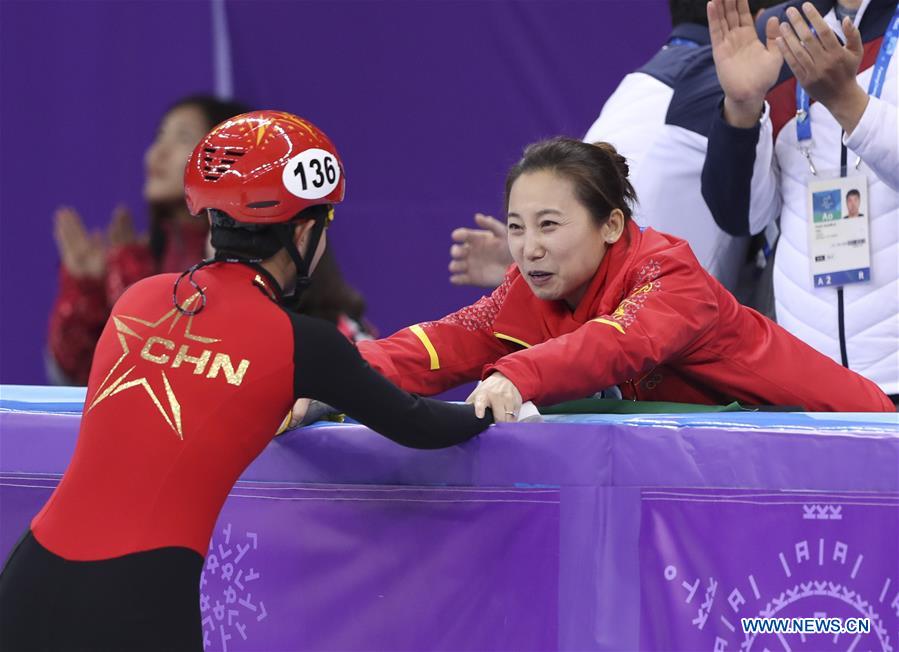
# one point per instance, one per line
(637, 533)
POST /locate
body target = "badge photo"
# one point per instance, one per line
(838, 231)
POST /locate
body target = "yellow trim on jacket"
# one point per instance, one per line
(611, 323)
(419, 332)
(514, 340)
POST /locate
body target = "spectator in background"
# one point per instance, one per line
(96, 268)
(658, 118)
(762, 159)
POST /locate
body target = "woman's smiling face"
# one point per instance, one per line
(554, 240)
(165, 160)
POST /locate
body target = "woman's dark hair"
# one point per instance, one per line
(215, 111)
(329, 296)
(598, 172)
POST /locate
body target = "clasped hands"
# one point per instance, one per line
(822, 65)
(499, 394)
(496, 392)
(83, 253)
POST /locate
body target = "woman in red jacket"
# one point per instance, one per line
(96, 269)
(595, 303)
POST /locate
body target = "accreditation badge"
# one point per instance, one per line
(838, 230)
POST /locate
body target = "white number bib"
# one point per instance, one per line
(311, 174)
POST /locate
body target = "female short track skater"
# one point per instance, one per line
(191, 378)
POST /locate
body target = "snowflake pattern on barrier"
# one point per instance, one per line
(822, 512)
(842, 583)
(647, 282)
(481, 314)
(706, 607)
(831, 590)
(227, 607)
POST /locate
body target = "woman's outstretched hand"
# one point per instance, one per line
(498, 393)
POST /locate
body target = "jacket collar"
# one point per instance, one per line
(532, 320)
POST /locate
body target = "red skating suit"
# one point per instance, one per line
(177, 407)
(652, 322)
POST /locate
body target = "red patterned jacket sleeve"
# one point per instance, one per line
(76, 321)
(83, 305)
(662, 317)
(432, 357)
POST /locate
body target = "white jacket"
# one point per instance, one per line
(779, 176)
(658, 119)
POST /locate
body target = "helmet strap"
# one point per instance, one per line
(183, 309)
(302, 263)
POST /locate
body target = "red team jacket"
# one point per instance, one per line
(652, 322)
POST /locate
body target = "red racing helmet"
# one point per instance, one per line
(263, 167)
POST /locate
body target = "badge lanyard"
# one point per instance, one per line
(677, 40)
(875, 88)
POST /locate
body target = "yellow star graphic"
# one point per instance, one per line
(302, 124)
(122, 383)
(260, 130)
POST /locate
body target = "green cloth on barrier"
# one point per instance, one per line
(619, 406)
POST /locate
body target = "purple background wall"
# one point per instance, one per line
(429, 103)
